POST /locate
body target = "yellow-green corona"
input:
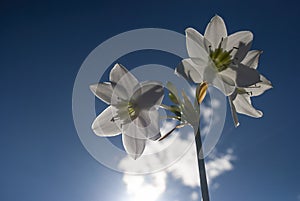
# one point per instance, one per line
(221, 57)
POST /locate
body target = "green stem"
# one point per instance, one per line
(201, 167)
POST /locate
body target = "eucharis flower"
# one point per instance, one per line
(215, 58)
(132, 111)
(240, 100)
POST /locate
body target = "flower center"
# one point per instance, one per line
(126, 111)
(220, 57)
(132, 111)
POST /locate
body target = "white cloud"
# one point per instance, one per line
(147, 188)
(185, 170)
(194, 196)
(150, 187)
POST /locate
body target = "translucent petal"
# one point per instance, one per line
(260, 87)
(103, 91)
(233, 111)
(215, 31)
(246, 76)
(241, 52)
(234, 40)
(133, 146)
(152, 130)
(145, 126)
(252, 58)
(243, 105)
(189, 114)
(149, 94)
(195, 43)
(170, 86)
(123, 82)
(118, 71)
(103, 125)
(188, 69)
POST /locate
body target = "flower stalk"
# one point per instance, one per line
(201, 167)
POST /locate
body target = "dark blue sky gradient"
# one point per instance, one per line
(43, 44)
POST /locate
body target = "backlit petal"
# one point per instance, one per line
(133, 146)
(103, 91)
(215, 31)
(195, 43)
(104, 126)
(243, 105)
(252, 58)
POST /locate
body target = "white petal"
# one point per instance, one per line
(195, 43)
(241, 52)
(133, 146)
(188, 69)
(215, 31)
(123, 83)
(246, 76)
(103, 124)
(235, 39)
(145, 126)
(152, 130)
(189, 114)
(148, 94)
(243, 105)
(233, 111)
(118, 71)
(260, 87)
(225, 84)
(252, 58)
(170, 86)
(103, 91)
(229, 72)
(229, 85)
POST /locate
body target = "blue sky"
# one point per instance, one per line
(44, 43)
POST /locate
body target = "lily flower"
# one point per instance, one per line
(132, 109)
(240, 100)
(215, 58)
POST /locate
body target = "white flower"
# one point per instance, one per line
(132, 111)
(215, 58)
(240, 100)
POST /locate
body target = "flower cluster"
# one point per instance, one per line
(226, 63)
(215, 59)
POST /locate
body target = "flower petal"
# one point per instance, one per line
(118, 71)
(144, 126)
(225, 84)
(170, 86)
(133, 146)
(242, 103)
(103, 124)
(123, 83)
(241, 52)
(148, 94)
(215, 31)
(260, 87)
(188, 69)
(233, 111)
(152, 130)
(252, 58)
(103, 91)
(189, 113)
(246, 76)
(235, 39)
(195, 43)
